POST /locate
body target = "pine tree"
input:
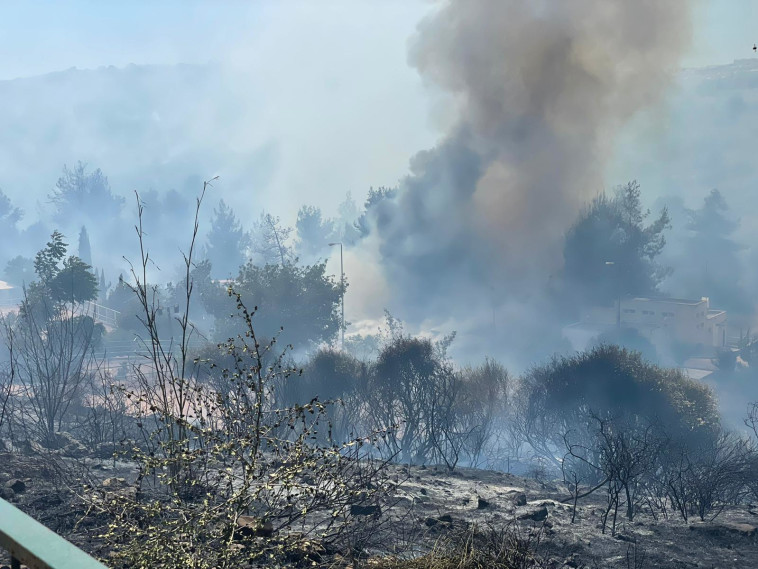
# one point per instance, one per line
(227, 242)
(103, 289)
(85, 251)
(716, 269)
(271, 241)
(313, 234)
(80, 194)
(610, 251)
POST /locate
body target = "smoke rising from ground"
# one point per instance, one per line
(541, 89)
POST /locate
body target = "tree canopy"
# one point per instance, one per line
(303, 300)
(374, 198)
(611, 252)
(79, 194)
(227, 242)
(19, 271)
(9, 218)
(614, 383)
(714, 268)
(313, 234)
(85, 250)
(270, 241)
(61, 278)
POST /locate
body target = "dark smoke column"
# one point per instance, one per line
(541, 89)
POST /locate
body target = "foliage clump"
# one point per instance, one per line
(610, 251)
(228, 474)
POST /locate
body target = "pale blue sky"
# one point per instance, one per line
(316, 73)
(360, 46)
(41, 36)
(356, 47)
(299, 53)
(725, 30)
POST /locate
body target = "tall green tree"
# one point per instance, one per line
(61, 278)
(611, 251)
(713, 267)
(314, 233)
(102, 287)
(9, 232)
(227, 242)
(270, 241)
(373, 200)
(19, 271)
(300, 304)
(344, 225)
(79, 194)
(85, 250)
(46, 262)
(75, 282)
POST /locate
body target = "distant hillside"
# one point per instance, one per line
(164, 126)
(145, 126)
(168, 127)
(707, 137)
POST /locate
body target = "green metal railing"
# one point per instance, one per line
(31, 543)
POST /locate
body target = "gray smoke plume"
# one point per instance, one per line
(541, 88)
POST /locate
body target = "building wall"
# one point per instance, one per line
(667, 320)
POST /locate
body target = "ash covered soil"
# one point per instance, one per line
(493, 498)
(432, 503)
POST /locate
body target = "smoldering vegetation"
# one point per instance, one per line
(530, 81)
(200, 350)
(238, 448)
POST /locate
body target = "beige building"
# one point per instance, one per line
(663, 321)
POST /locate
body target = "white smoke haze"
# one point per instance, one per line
(498, 120)
(542, 90)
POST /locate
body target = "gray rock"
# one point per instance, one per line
(105, 450)
(371, 510)
(725, 528)
(518, 498)
(481, 503)
(536, 514)
(18, 486)
(444, 519)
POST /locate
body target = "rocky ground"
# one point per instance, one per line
(432, 502)
(496, 499)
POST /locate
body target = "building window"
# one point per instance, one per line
(667, 314)
(648, 312)
(629, 311)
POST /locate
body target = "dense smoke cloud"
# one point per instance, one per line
(541, 89)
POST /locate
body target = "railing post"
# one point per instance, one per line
(28, 541)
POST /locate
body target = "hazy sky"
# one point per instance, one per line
(42, 36)
(332, 83)
(725, 30)
(329, 82)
